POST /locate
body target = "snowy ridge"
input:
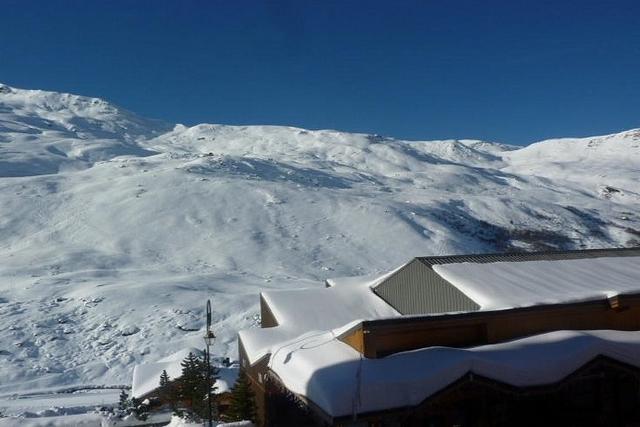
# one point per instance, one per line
(46, 132)
(569, 158)
(114, 229)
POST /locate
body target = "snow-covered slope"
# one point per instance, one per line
(45, 132)
(115, 229)
(596, 160)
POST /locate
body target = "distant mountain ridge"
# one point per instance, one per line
(112, 223)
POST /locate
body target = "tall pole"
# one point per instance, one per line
(208, 356)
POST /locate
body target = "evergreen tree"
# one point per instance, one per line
(138, 409)
(193, 386)
(243, 406)
(164, 378)
(123, 401)
(168, 391)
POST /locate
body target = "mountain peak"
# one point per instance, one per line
(5, 89)
(43, 112)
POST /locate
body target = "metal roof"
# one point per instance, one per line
(416, 289)
(530, 256)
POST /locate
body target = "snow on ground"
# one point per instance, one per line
(114, 229)
(75, 420)
(93, 418)
(43, 401)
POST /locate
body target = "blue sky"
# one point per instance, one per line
(509, 71)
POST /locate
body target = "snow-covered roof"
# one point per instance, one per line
(311, 362)
(307, 312)
(496, 285)
(503, 285)
(146, 377)
(332, 374)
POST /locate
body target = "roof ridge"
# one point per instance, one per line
(529, 256)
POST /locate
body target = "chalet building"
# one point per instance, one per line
(547, 338)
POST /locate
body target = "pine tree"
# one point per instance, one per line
(193, 386)
(123, 401)
(164, 378)
(243, 406)
(168, 391)
(138, 409)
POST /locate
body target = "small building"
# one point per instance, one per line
(545, 338)
(146, 379)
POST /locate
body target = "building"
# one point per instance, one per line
(547, 338)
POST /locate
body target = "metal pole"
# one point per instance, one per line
(209, 386)
(209, 364)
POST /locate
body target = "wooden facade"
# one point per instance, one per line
(603, 393)
(379, 338)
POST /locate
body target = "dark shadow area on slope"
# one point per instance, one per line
(495, 238)
(590, 221)
(270, 170)
(49, 159)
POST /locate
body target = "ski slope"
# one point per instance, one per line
(115, 229)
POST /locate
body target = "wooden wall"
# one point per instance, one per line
(383, 337)
(256, 375)
(267, 319)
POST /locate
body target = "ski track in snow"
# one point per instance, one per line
(115, 229)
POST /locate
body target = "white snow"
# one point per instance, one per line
(237, 424)
(503, 285)
(326, 371)
(57, 403)
(92, 418)
(146, 376)
(76, 420)
(180, 422)
(307, 312)
(110, 223)
(581, 159)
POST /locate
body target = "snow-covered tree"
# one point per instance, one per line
(123, 401)
(193, 385)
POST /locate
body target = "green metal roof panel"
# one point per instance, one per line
(417, 289)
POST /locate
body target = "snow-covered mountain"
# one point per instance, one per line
(115, 229)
